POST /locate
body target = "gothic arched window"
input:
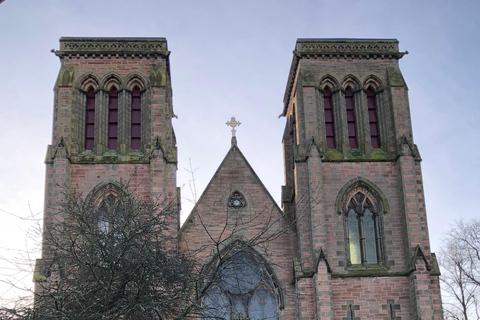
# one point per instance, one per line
(373, 118)
(109, 214)
(90, 119)
(361, 210)
(329, 118)
(112, 118)
(351, 122)
(241, 290)
(136, 133)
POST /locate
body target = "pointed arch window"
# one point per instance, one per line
(329, 118)
(113, 119)
(351, 122)
(373, 118)
(90, 119)
(241, 290)
(136, 124)
(361, 210)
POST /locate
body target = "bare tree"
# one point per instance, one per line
(116, 259)
(460, 261)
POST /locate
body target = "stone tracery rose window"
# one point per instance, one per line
(236, 201)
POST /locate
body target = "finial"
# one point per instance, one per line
(233, 123)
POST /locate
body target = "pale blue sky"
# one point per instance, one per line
(232, 58)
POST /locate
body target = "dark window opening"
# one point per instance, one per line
(329, 121)
(113, 119)
(136, 133)
(90, 120)
(373, 118)
(351, 123)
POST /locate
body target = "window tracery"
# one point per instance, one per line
(361, 209)
(241, 290)
(236, 201)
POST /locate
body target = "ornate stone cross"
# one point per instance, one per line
(233, 123)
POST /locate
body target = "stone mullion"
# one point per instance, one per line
(361, 112)
(124, 116)
(101, 122)
(347, 239)
(363, 251)
(378, 239)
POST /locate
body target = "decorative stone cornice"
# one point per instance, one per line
(348, 48)
(117, 47)
(339, 49)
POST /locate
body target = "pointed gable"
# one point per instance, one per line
(234, 206)
(234, 201)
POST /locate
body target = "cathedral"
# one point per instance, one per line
(349, 240)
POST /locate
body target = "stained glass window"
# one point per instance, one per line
(236, 200)
(241, 291)
(361, 210)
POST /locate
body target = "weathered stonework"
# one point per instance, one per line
(306, 263)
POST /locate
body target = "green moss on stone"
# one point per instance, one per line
(379, 154)
(333, 154)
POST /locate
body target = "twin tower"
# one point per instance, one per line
(350, 240)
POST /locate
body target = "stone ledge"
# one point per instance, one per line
(112, 46)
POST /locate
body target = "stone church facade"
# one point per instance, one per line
(350, 240)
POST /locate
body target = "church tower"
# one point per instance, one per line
(112, 129)
(354, 185)
(351, 239)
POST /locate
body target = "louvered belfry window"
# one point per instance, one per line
(373, 118)
(351, 123)
(329, 121)
(136, 133)
(90, 120)
(112, 119)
